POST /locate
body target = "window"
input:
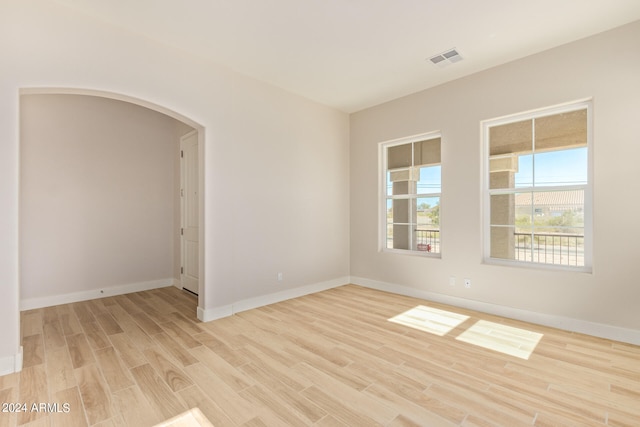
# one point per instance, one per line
(411, 187)
(538, 187)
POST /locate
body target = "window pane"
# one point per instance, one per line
(399, 156)
(561, 131)
(502, 242)
(426, 152)
(522, 244)
(524, 175)
(428, 240)
(559, 209)
(428, 212)
(430, 180)
(389, 224)
(573, 231)
(562, 167)
(511, 138)
(402, 236)
(511, 171)
(524, 210)
(503, 209)
(505, 170)
(427, 233)
(401, 227)
(561, 248)
(401, 211)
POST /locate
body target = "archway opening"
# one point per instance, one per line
(100, 196)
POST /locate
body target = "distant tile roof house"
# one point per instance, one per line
(550, 202)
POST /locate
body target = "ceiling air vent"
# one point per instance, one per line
(445, 58)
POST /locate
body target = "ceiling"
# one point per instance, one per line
(353, 54)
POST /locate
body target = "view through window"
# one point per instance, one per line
(412, 189)
(538, 187)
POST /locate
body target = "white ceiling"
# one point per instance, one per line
(353, 54)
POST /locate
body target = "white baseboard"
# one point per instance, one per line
(601, 330)
(11, 364)
(250, 303)
(214, 313)
(32, 303)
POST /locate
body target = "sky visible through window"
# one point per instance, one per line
(430, 181)
(563, 167)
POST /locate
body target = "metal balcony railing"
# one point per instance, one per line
(428, 241)
(550, 248)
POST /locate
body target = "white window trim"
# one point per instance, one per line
(382, 194)
(485, 125)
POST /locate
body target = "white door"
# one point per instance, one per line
(189, 231)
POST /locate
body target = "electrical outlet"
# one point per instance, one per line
(452, 281)
(279, 277)
(467, 283)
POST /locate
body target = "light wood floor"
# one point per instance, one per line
(328, 359)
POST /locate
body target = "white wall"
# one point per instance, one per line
(98, 190)
(276, 165)
(605, 67)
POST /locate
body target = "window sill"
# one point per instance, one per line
(421, 254)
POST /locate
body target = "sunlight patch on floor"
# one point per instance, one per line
(191, 418)
(505, 339)
(429, 319)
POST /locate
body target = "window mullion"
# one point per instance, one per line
(533, 185)
(412, 202)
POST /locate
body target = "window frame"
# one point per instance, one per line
(383, 197)
(486, 125)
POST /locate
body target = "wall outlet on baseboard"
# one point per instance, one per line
(279, 276)
(452, 281)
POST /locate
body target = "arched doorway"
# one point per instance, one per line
(103, 200)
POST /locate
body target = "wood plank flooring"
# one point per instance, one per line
(327, 359)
